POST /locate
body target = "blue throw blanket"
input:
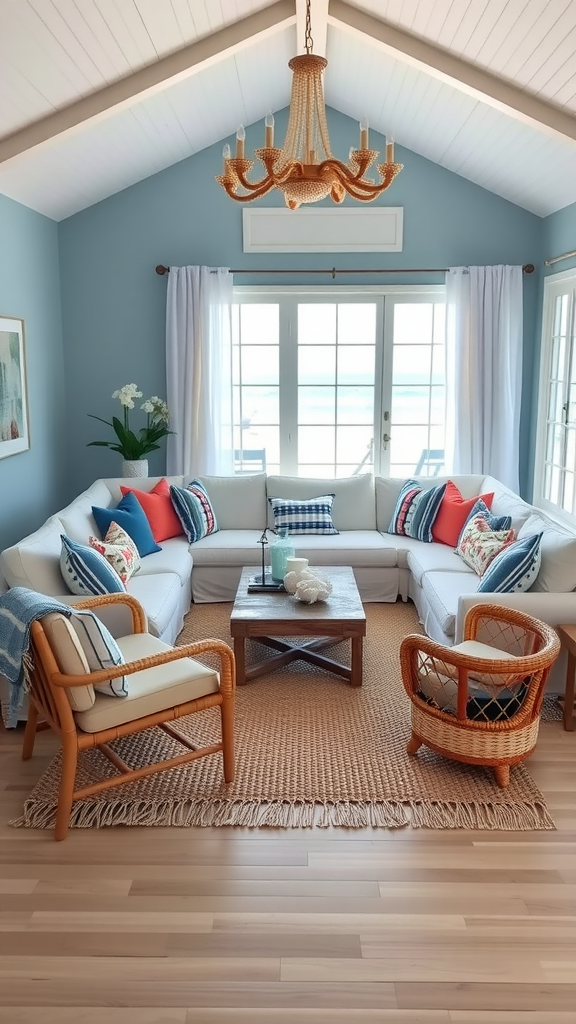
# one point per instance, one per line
(20, 607)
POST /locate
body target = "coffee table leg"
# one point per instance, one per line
(356, 661)
(240, 656)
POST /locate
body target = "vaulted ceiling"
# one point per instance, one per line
(96, 95)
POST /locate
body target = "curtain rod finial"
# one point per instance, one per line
(160, 269)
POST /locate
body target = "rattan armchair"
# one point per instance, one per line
(480, 701)
(165, 682)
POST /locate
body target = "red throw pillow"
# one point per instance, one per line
(452, 514)
(159, 510)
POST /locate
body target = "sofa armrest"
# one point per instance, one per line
(551, 608)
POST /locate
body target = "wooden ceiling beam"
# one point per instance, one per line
(152, 79)
(468, 78)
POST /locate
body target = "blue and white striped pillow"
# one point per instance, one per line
(513, 570)
(100, 650)
(194, 510)
(313, 515)
(480, 508)
(416, 510)
(86, 572)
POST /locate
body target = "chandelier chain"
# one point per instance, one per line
(308, 41)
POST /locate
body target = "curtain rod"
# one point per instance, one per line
(556, 259)
(528, 268)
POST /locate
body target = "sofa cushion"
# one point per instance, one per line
(194, 510)
(453, 513)
(158, 509)
(77, 518)
(515, 569)
(507, 503)
(35, 561)
(130, 515)
(416, 510)
(153, 689)
(443, 591)
(86, 572)
(354, 504)
(358, 548)
(423, 558)
(480, 508)
(558, 554)
(160, 596)
(239, 502)
(304, 516)
(173, 557)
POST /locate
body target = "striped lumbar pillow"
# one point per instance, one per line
(100, 650)
(416, 510)
(313, 515)
(514, 569)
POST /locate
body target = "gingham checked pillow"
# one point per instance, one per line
(313, 515)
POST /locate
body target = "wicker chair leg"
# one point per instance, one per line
(30, 732)
(502, 773)
(414, 744)
(227, 726)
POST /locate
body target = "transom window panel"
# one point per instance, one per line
(555, 475)
(313, 369)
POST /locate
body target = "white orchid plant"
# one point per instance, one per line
(133, 446)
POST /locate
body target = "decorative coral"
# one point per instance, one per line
(313, 589)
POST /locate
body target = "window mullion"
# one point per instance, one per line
(289, 384)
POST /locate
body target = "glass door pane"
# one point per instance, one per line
(415, 390)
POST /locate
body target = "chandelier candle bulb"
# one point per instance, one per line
(269, 131)
(240, 139)
(364, 133)
(389, 151)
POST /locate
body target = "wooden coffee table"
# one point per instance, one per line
(265, 617)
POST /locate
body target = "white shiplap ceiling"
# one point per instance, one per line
(98, 94)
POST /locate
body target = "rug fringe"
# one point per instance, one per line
(295, 814)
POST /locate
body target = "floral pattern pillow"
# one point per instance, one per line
(119, 550)
(479, 544)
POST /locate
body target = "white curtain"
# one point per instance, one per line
(199, 371)
(484, 370)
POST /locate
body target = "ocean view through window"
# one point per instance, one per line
(336, 381)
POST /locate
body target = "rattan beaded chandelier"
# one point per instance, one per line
(304, 170)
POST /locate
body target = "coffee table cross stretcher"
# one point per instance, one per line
(266, 618)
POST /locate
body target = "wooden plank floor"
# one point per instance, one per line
(230, 926)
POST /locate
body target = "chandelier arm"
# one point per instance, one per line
(254, 186)
(229, 189)
(365, 187)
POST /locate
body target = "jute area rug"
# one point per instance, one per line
(310, 751)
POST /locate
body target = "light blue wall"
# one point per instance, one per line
(558, 236)
(32, 482)
(114, 303)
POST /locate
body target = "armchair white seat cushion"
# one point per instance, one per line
(151, 690)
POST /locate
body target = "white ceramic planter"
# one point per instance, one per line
(136, 467)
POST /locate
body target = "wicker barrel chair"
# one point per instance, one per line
(479, 702)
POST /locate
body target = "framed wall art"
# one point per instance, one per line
(14, 434)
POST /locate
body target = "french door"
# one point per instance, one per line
(555, 469)
(334, 382)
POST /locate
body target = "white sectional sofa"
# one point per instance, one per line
(386, 566)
